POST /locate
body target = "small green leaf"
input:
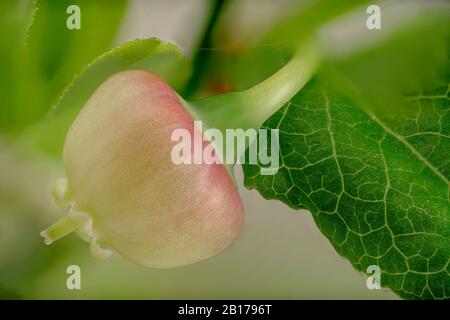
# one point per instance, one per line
(44, 55)
(59, 52)
(15, 18)
(377, 185)
(158, 57)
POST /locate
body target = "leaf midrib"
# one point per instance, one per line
(409, 146)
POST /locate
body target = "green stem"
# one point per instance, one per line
(203, 57)
(250, 108)
(73, 220)
(59, 229)
(271, 94)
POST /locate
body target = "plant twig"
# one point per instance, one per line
(203, 57)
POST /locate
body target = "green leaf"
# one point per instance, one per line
(377, 185)
(15, 18)
(158, 57)
(60, 52)
(52, 54)
(371, 166)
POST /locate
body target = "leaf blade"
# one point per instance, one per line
(50, 54)
(369, 190)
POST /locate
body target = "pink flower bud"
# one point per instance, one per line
(117, 160)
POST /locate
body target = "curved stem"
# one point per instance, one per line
(250, 108)
(268, 96)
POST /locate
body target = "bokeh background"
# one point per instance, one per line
(280, 254)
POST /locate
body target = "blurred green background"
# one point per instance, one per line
(281, 254)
